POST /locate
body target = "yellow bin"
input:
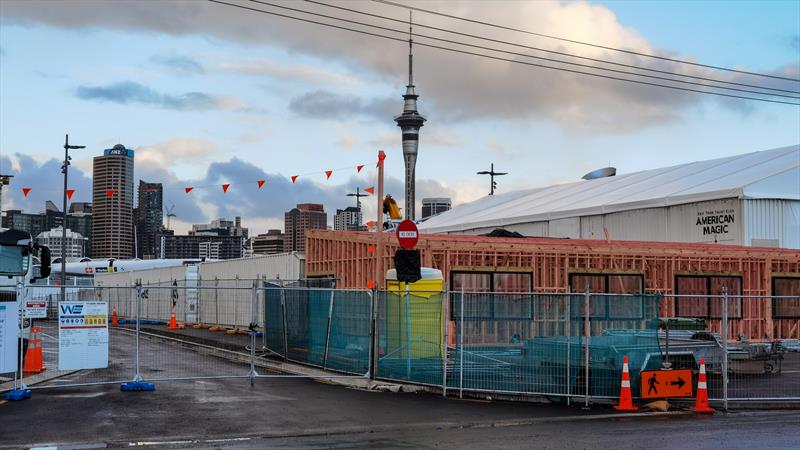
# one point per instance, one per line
(422, 308)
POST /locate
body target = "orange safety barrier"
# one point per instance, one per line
(625, 397)
(34, 362)
(701, 403)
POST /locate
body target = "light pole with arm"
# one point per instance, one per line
(65, 171)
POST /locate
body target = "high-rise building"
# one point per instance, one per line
(112, 204)
(220, 227)
(348, 219)
(36, 223)
(410, 121)
(149, 219)
(304, 217)
(200, 246)
(267, 244)
(75, 244)
(434, 206)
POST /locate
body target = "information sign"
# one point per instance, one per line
(666, 383)
(82, 335)
(9, 332)
(35, 309)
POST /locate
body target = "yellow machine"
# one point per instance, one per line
(390, 207)
(422, 308)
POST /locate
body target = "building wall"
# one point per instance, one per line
(759, 222)
(550, 262)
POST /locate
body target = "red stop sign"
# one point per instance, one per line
(407, 234)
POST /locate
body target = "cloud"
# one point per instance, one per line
(328, 105)
(126, 92)
(452, 86)
(273, 69)
(181, 64)
(45, 181)
(165, 154)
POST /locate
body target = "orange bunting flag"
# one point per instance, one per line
(110, 192)
(381, 157)
(294, 178)
(26, 191)
(328, 174)
(371, 284)
(370, 189)
(358, 168)
(371, 248)
(261, 183)
(188, 189)
(70, 192)
(370, 224)
(225, 187)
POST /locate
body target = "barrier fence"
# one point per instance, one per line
(566, 347)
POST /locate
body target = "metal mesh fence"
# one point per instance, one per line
(556, 345)
(763, 349)
(321, 327)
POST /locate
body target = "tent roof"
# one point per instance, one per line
(771, 174)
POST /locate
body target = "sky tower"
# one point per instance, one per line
(410, 121)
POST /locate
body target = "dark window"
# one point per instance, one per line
(504, 299)
(786, 308)
(609, 306)
(700, 288)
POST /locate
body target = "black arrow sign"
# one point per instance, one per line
(678, 383)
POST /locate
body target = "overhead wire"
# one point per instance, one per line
(455, 50)
(499, 41)
(632, 52)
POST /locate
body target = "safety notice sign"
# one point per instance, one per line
(35, 309)
(82, 335)
(666, 383)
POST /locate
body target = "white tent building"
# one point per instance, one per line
(751, 199)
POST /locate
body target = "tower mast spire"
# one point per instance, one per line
(410, 52)
(410, 121)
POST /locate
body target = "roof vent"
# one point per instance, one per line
(600, 173)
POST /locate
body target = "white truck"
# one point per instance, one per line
(19, 270)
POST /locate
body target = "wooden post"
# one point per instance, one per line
(379, 275)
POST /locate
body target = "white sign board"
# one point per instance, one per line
(9, 333)
(35, 309)
(82, 335)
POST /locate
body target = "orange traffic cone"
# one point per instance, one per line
(701, 403)
(114, 317)
(625, 397)
(33, 358)
(173, 324)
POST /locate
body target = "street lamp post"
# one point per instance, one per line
(65, 171)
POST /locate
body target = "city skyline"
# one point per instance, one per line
(207, 103)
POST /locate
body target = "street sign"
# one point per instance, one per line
(407, 234)
(666, 383)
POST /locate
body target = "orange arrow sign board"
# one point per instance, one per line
(666, 383)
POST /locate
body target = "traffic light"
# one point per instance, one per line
(494, 186)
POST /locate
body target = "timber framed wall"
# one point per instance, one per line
(350, 257)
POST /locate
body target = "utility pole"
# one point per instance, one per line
(492, 174)
(358, 196)
(65, 171)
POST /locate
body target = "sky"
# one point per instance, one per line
(208, 94)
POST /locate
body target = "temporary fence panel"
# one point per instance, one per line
(765, 368)
(321, 327)
(514, 343)
(409, 332)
